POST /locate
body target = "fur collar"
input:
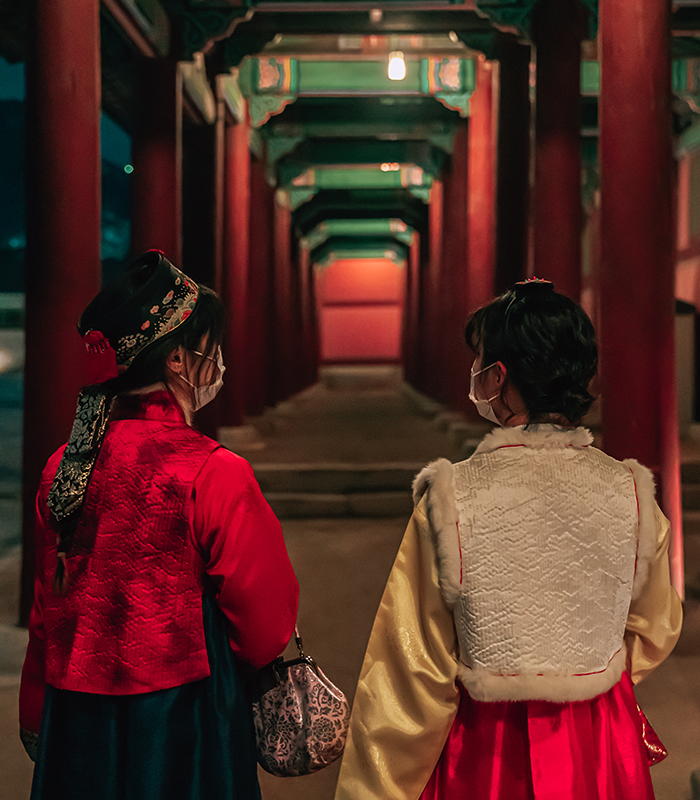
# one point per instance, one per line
(543, 436)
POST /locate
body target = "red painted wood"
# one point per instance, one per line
(309, 354)
(428, 374)
(637, 249)
(260, 318)
(286, 332)
(361, 305)
(513, 164)
(482, 189)
(361, 334)
(411, 313)
(557, 209)
(156, 152)
(297, 328)
(361, 281)
(235, 289)
(63, 232)
(450, 354)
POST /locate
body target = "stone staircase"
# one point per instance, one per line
(338, 489)
(349, 446)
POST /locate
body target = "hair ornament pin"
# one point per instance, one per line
(533, 280)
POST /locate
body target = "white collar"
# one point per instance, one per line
(541, 436)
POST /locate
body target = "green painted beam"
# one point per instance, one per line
(330, 204)
(298, 195)
(360, 228)
(337, 247)
(438, 133)
(356, 243)
(406, 176)
(590, 77)
(338, 255)
(338, 78)
(355, 77)
(306, 153)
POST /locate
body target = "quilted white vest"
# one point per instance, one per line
(537, 536)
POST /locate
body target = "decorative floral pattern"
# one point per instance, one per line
(301, 723)
(173, 310)
(69, 484)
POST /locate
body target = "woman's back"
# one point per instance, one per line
(540, 576)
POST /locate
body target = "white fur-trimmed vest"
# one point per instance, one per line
(537, 536)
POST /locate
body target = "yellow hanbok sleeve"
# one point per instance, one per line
(406, 697)
(655, 616)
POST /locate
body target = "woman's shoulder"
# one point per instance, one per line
(224, 464)
(438, 474)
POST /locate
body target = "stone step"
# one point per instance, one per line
(336, 478)
(288, 505)
(690, 472)
(691, 522)
(690, 493)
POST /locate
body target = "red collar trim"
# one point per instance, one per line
(158, 406)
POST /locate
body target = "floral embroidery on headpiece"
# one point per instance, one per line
(169, 311)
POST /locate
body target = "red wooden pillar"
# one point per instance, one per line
(156, 200)
(309, 354)
(512, 164)
(297, 310)
(482, 189)
(259, 289)
(637, 249)
(428, 379)
(63, 232)
(234, 278)
(557, 210)
(453, 361)
(284, 318)
(411, 311)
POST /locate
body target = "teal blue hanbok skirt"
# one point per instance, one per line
(191, 742)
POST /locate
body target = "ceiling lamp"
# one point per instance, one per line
(397, 66)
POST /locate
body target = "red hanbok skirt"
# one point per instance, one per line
(597, 749)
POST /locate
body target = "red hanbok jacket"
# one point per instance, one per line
(169, 514)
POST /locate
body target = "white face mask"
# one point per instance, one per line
(483, 406)
(205, 394)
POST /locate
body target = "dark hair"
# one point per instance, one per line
(547, 344)
(206, 320)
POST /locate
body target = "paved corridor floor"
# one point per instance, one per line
(342, 565)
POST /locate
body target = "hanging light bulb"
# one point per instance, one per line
(397, 66)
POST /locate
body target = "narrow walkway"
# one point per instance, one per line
(351, 422)
(360, 415)
(350, 445)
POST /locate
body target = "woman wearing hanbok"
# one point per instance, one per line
(161, 570)
(530, 593)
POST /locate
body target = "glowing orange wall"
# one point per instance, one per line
(360, 306)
